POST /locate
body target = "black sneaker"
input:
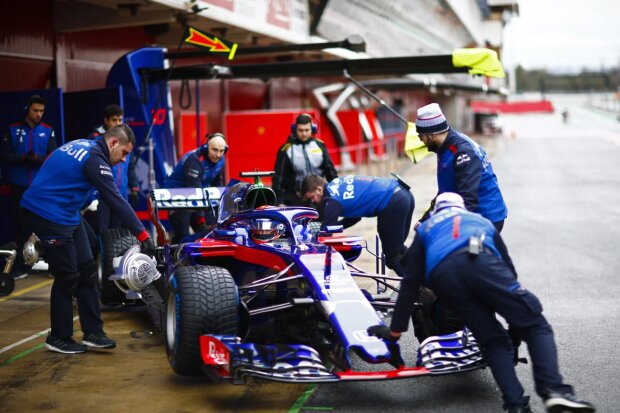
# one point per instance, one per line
(64, 345)
(98, 340)
(19, 275)
(560, 403)
(520, 409)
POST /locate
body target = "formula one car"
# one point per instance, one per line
(264, 294)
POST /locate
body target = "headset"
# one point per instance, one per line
(31, 100)
(302, 119)
(205, 146)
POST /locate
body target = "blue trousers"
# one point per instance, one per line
(393, 225)
(476, 288)
(67, 251)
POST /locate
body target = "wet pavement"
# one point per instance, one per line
(561, 185)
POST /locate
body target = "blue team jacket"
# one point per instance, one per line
(64, 182)
(124, 173)
(449, 230)
(464, 167)
(192, 172)
(40, 140)
(360, 196)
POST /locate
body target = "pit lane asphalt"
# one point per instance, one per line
(562, 187)
(558, 180)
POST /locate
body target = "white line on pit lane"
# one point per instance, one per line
(27, 339)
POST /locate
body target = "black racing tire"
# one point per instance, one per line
(7, 284)
(112, 243)
(434, 320)
(200, 300)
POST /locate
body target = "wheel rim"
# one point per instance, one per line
(171, 320)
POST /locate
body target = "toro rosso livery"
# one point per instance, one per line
(265, 294)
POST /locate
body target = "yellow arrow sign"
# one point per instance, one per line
(214, 44)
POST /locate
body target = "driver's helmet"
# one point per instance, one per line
(448, 200)
(266, 230)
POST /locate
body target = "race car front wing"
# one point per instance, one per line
(227, 358)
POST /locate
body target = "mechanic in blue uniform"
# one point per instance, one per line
(462, 166)
(24, 148)
(51, 207)
(124, 172)
(200, 168)
(355, 196)
(462, 257)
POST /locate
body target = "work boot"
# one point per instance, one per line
(567, 402)
(98, 340)
(64, 345)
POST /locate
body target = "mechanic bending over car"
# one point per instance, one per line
(51, 207)
(199, 168)
(24, 148)
(301, 155)
(354, 197)
(462, 166)
(463, 259)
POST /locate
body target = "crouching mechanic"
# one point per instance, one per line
(51, 207)
(354, 197)
(200, 168)
(463, 259)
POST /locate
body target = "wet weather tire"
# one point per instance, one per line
(113, 243)
(200, 300)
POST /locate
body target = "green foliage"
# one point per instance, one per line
(587, 81)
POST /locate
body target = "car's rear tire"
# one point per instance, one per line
(200, 300)
(113, 243)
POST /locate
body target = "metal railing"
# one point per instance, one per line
(374, 158)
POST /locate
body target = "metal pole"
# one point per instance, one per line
(375, 97)
(198, 134)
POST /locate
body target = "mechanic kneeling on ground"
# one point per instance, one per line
(463, 259)
(51, 206)
(354, 197)
(200, 168)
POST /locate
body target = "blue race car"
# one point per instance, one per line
(266, 294)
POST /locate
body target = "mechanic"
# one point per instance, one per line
(302, 155)
(355, 196)
(124, 172)
(24, 148)
(462, 166)
(462, 257)
(199, 168)
(51, 207)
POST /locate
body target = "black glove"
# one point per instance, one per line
(147, 247)
(134, 197)
(30, 158)
(383, 332)
(396, 359)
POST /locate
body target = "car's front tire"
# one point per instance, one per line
(200, 300)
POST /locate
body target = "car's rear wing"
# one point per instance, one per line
(165, 199)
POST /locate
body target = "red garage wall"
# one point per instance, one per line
(254, 138)
(27, 47)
